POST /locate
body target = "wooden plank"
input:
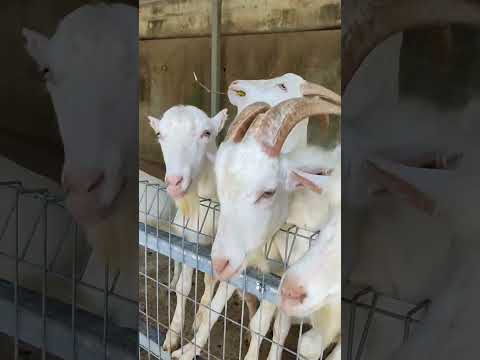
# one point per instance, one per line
(191, 18)
(167, 65)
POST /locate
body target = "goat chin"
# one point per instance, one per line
(189, 204)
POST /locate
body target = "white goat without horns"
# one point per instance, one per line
(90, 71)
(243, 93)
(187, 138)
(311, 286)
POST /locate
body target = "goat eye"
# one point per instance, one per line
(206, 134)
(282, 86)
(241, 93)
(266, 195)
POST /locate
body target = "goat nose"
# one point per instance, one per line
(293, 291)
(82, 181)
(173, 180)
(220, 264)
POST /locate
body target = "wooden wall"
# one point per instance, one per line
(167, 63)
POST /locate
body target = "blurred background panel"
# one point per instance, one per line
(28, 127)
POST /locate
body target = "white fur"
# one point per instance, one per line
(272, 91)
(185, 151)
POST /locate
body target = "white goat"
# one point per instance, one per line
(90, 70)
(311, 286)
(242, 93)
(260, 179)
(187, 138)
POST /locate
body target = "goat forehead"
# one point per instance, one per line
(183, 122)
(90, 33)
(245, 167)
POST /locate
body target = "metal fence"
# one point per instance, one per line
(162, 243)
(43, 258)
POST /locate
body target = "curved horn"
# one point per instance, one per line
(376, 20)
(312, 89)
(272, 129)
(244, 119)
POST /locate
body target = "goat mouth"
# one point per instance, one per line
(237, 91)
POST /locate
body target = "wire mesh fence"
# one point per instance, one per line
(166, 244)
(43, 257)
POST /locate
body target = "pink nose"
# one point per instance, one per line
(292, 292)
(220, 266)
(174, 181)
(82, 180)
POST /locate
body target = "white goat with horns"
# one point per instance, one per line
(243, 93)
(260, 180)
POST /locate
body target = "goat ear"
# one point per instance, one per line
(405, 182)
(153, 122)
(36, 46)
(219, 120)
(301, 179)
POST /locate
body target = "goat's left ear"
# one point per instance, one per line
(310, 180)
(219, 120)
(153, 122)
(36, 46)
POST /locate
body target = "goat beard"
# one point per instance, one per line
(189, 204)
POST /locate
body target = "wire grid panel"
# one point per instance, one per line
(43, 256)
(167, 240)
(375, 320)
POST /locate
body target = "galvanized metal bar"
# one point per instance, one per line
(44, 280)
(74, 293)
(17, 270)
(105, 312)
(216, 70)
(171, 245)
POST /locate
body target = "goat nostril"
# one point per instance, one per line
(96, 183)
(174, 180)
(220, 265)
(296, 294)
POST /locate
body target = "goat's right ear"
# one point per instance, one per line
(36, 46)
(406, 182)
(219, 120)
(153, 122)
(297, 179)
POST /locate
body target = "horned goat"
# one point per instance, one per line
(260, 180)
(242, 93)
